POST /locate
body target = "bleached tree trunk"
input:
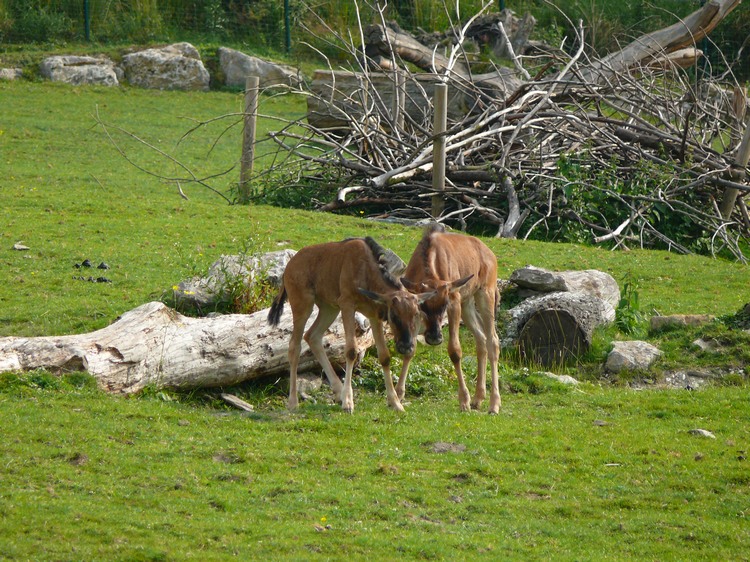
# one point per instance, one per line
(155, 345)
(653, 46)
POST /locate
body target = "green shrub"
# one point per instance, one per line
(629, 319)
(41, 24)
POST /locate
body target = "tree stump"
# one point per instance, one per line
(557, 327)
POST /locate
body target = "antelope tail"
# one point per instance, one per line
(274, 314)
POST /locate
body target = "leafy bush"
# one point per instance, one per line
(739, 320)
(42, 24)
(605, 195)
(426, 378)
(629, 318)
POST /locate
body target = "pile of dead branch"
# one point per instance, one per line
(646, 147)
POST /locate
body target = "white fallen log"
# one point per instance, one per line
(153, 345)
(652, 46)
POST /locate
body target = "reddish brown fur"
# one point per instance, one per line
(345, 276)
(463, 273)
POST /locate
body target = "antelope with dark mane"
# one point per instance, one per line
(461, 273)
(346, 276)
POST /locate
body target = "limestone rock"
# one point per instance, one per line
(10, 73)
(690, 378)
(174, 67)
(562, 379)
(702, 433)
(631, 355)
(237, 66)
(659, 322)
(76, 70)
(230, 271)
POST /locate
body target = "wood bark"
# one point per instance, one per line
(384, 44)
(597, 283)
(738, 173)
(556, 327)
(155, 345)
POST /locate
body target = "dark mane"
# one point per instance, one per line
(381, 257)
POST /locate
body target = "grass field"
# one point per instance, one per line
(596, 472)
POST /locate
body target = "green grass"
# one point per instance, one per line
(67, 194)
(597, 472)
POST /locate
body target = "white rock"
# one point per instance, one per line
(631, 355)
(76, 70)
(174, 67)
(564, 379)
(10, 73)
(702, 433)
(237, 66)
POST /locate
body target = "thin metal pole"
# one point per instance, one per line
(87, 20)
(287, 28)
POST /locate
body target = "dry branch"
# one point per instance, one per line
(638, 148)
(624, 147)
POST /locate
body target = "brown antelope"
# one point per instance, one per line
(346, 276)
(462, 273)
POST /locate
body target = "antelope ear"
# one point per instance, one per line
(459, 283)
(413, 287)
(372, 296)
(422, 297)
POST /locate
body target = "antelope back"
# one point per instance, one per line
(454, 266)
(352, 274)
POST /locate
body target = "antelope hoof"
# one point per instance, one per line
(397, 406)
(494, 406)
(463, 401)
(347, 404)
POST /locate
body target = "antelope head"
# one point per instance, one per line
(401, 309)
(438, 295)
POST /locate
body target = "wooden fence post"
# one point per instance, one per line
(440, 123)
(740, 162)
(399, 99)
(248, 137)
